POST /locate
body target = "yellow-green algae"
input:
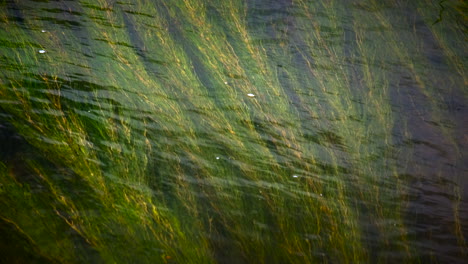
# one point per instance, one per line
(142, 146)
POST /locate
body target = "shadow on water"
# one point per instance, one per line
(22, 250)
(437, 194)
(16, 244)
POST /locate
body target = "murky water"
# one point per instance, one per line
(257, 131)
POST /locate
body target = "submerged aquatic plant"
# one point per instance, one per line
(237, 132)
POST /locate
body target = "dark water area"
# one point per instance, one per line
(257, 131)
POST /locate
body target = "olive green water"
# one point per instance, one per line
(255, 131)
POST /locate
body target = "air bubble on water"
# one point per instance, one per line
(250, 94)
(42, 51)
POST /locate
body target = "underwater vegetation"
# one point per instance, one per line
(254, 131)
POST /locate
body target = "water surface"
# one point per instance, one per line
(256, 131)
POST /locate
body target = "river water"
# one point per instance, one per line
(246, 131)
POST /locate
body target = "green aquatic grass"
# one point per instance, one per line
(148, 149)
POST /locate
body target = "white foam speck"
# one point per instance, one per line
(41, 51)
(295, 176)
(43, 31)
(250, 94)
(217, 157)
